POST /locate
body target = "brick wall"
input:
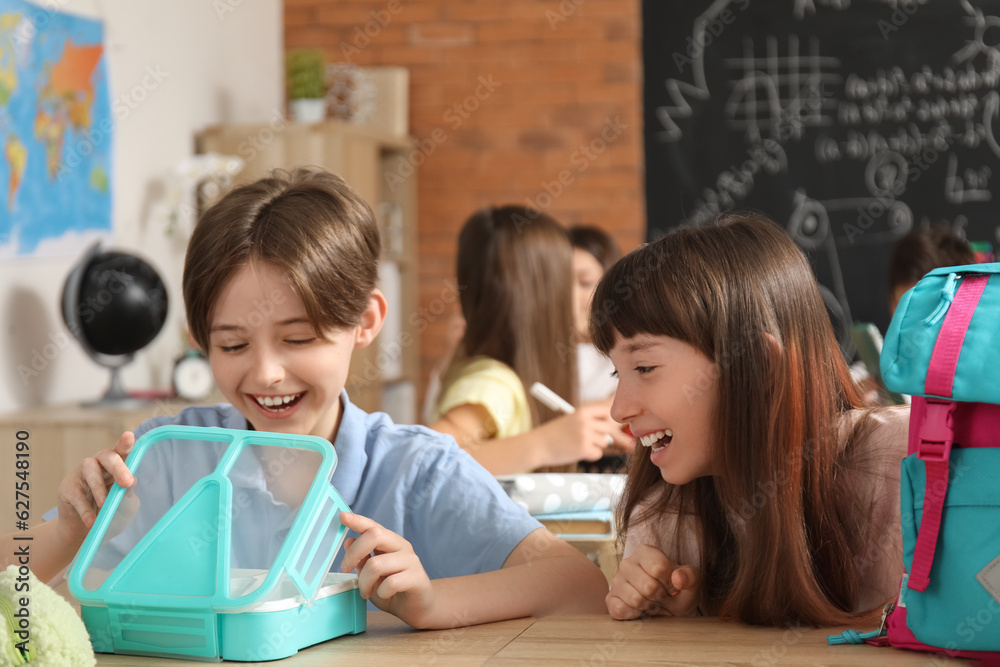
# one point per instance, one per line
(513, 95)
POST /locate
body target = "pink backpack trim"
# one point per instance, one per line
(937, 434)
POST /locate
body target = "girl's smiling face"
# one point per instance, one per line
(667, 394)
(268, 360)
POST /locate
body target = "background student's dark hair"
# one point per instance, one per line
(514, 272)
(597, 242)
(923, 250)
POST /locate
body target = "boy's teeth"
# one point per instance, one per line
(272, 401)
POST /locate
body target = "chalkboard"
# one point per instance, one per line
(849, 122)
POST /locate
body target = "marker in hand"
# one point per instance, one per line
(554, 401)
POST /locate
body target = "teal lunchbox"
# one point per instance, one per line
(220, 550)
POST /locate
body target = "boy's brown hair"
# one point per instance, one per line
(307, 222)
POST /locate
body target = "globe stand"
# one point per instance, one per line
(116, 397)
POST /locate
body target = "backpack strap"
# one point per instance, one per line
(937, 432)
(944, 358)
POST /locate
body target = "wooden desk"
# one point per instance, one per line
(580, 640)
(387, 642)
(600, 640)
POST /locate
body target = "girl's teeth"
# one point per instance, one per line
(648, 440)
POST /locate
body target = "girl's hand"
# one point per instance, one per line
(622, 443)
(83, 491)
(650, 584)
(583, 435)
(389, 573)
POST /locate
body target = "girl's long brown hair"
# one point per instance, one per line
(514, 276)
(781, 526)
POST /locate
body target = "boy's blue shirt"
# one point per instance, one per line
(414, 481)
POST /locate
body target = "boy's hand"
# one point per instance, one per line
(83, 491)
(650, 584)
(389, 573)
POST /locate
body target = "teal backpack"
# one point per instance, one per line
(943, 349)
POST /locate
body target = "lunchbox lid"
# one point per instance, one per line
(208, 506)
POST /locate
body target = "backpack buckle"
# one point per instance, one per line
(936, 433)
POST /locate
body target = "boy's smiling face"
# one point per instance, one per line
(269, 362)
(667, 394)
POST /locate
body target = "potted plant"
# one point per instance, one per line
(305, 77)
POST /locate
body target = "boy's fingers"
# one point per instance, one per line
(377, 569)
(113, 462)
(356, 522)
(83, 508)
(93, 478)
(372, 537)
(125, 443)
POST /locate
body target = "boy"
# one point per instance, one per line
(279, 289)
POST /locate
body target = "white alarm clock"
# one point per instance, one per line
(193, 377)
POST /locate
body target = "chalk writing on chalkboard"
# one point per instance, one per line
(847, 121)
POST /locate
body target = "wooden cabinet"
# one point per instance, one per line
(379, 166)
(59, 437)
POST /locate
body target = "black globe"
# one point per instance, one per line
(114, 303)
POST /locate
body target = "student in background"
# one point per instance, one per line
(922, 251)
(279, 287)
(766, 493)
(514, 270)
(454, 329)
(594, 251)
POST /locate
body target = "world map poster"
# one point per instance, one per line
(55, 132)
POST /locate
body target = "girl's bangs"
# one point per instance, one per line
(640, 294)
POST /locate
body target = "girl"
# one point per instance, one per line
(594, 252)
(279, 287)
(514, 274)
(766, 494)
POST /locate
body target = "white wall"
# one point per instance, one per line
(213, 66)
